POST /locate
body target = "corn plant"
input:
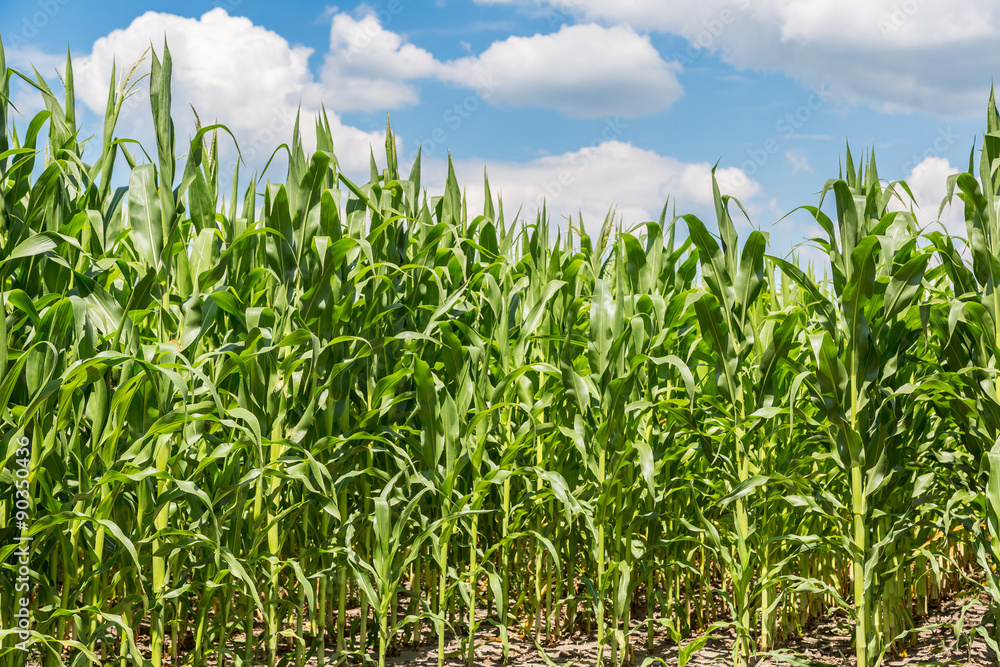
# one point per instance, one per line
(317, 417)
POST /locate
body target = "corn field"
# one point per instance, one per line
(319, 420)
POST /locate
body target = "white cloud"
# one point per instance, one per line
(226, 66)
(254, 81)
(231, 71)
(592, 180)
(896, 55)
(584, 70)
(368, 66)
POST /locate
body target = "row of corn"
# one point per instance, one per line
(319, 420)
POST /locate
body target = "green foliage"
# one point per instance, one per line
(325, 412)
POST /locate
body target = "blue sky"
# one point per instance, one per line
(583, 103)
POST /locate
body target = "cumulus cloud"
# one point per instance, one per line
(593, 180)
(583, 70)
(895, 55)
(218, 61)
(229, 70)
(253, 80)
(369, 67)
